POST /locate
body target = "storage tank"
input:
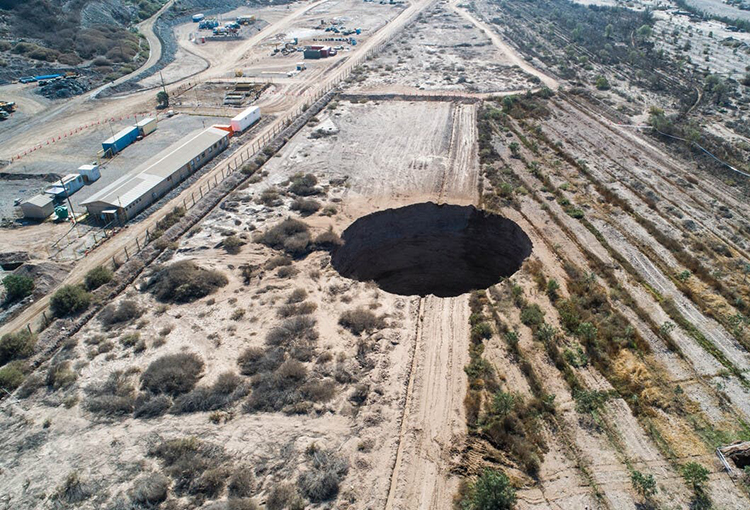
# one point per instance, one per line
(121, 140)
(245, 119)
(198, 18)
(146, 126)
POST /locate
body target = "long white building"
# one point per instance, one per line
(147, 183)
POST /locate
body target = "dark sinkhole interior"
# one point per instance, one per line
(421, 249)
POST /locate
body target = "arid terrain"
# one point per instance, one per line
(493, 254)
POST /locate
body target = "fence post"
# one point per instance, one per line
(127, 256)
(192, 194)
(138, 244)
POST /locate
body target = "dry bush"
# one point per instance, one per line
(150, 490)
(321, 482)
(173, 374)
(278, 390)
(241, 504)
(304, 185)
(284, 497)
(270, 197)
(291, 236)
(18, 345)
(60, 376)
(294, 328)
(255, 359)
(184, 282)
(328, 240)
(151, 406)
(232, 244)
(114, 397)
(241, 483)
(192, 464)
(278, 261)
(305, 206)
(360, 320)
(73, 490)
(287, 272)
(114, 315)
(297, 296)
(293, 309)
(227, 389)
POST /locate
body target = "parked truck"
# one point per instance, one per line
(8, 106)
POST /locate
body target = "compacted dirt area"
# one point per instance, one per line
(498, 266)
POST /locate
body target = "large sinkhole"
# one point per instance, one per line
(422, 249)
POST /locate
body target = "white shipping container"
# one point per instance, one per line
(245, 119)
(146, 126)
(90, 173)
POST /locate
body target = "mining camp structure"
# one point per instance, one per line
(129, 195)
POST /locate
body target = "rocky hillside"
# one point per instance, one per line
(39, 35)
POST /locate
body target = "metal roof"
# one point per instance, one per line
(145, 177)
(39, 200)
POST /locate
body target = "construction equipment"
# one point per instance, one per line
(8, 106)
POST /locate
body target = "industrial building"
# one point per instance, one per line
(315, 52)
(38, 207)
(68, 185)
(128, 196)
(245, 119)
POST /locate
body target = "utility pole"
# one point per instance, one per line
(163, 87)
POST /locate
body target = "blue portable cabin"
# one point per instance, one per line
(47, 77)
(121, 140)
(198, 18)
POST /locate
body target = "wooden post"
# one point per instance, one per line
(200, 188)
(138, 244)
(127, 256)
(28, 325)
(192, 194)
(184, 205)
(148, 237)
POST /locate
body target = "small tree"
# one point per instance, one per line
(643, 484)
(491, 491)
(17, 287)
(98, 277)
(163, 99)
(695, 475)
(70, 299)
(602, 83)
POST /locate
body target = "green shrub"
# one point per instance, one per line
(360, 320)
(70, 300)
(532, 316)
(60, 376)
(17, 287)
(173, 374)
(97, 277)
(304, 185)
(491, 491)
(184, 282)
(11, 377)
(18, 345)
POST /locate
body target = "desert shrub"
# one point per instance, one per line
(255, 359)
(360, 320)
(60, 376)
(289, 310)
(184, 282)
(232, 244)
(291, 236)
(241, 483)
(321, 482)
(327, 240)
(72, 491)
(11, 376)
(305, 206)
(98, 277)
(226, 390)
(318, 390)
(287, 272)
(304, 185)
(294, 328)
(241, 504)
(168, 221)
(114, 397)
(69, 300)
(17, 287)
(150, 490)
(18, 345)
(297, 296)
(532, 315)
(126, 311)
(280, 390)
(491, 491)
(151, 406)
(284, 497)
(173, 374)
(278, 261)
(192, 464)
(269, 197)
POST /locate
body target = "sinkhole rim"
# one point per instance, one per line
(426, 248)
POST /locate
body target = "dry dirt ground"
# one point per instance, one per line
(646, 246)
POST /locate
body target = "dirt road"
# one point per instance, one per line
(514, 57)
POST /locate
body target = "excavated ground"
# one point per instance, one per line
(421, 249)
